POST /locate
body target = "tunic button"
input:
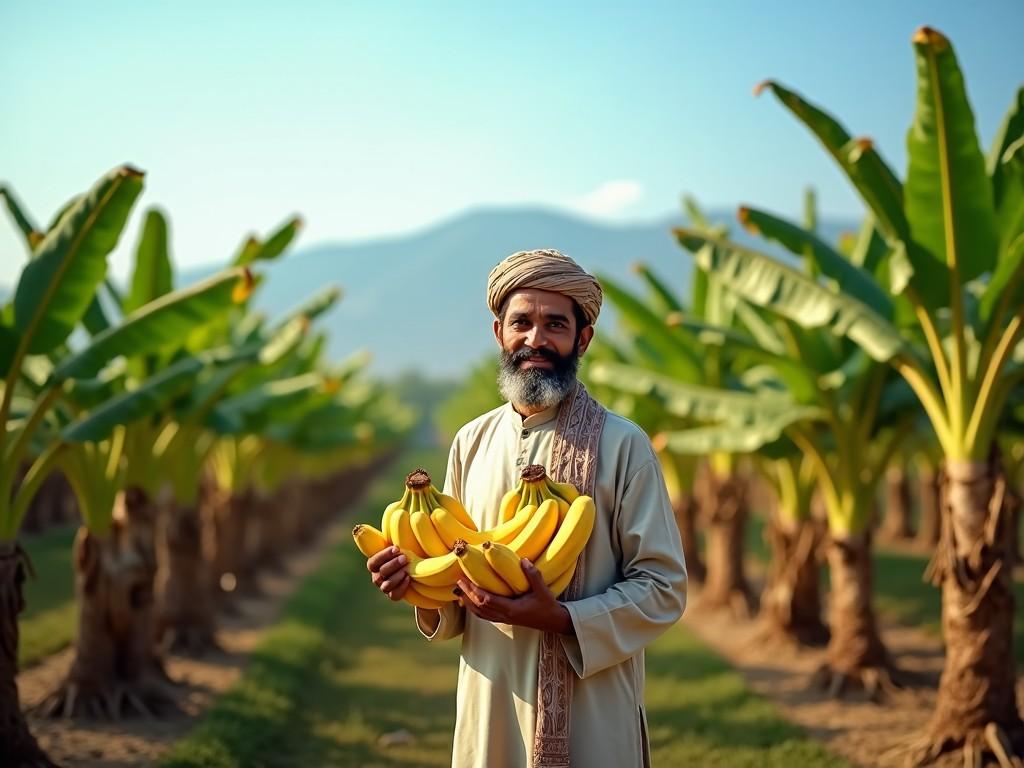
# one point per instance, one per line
(526, 433)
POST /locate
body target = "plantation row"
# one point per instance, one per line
(200, 439)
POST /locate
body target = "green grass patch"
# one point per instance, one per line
(48, 622)
(344, 666)
(700, 712)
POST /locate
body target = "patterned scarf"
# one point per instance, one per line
(573, 460)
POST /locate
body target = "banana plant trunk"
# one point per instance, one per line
(686, 510)
(896, 525)
(929, 519)
(115, 671)
(726, 584)
(856, 654)
(185, 615)
(18, 747)
(977, 703)
(791, 600)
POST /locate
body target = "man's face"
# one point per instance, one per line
(540, 347)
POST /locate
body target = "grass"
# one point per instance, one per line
(344, 666)
(48, 623)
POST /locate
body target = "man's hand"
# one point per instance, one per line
(537, 609)
(388, 572)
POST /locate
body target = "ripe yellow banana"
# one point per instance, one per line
(385, 520)
(506, 532)
(450, 529)
(537, 533)
(369, 540)
(441, 571)
(441, 594)
(402, 535)
(478, 570)
(454, 506)
(506, 564)
(426, 534)
(509, 505)
(565, 491)
(569, 541)
(559, 585)
(414, 597)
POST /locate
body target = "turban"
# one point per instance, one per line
(547, 270)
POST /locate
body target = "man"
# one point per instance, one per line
(546, 682)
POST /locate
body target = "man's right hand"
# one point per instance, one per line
(388, 572)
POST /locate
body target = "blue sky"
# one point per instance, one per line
(377, 118)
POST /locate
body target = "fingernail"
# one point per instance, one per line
(402, 559)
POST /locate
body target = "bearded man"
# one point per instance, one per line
(546, 682)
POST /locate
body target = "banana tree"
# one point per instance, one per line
(956, 220)
(721, 489)
(53, 293)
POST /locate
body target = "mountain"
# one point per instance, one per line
(418, 301)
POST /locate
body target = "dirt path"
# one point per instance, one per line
(140, 742)
(867, 734)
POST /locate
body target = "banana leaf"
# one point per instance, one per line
(254, 250)
(160, 324)
(765, 282)
(57, 286)
(150, 397)
(766, 436)
(152, 276)
(853, 280)
(947, 190)
(1011, 130)
(22, 220)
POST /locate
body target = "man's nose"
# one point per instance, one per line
(536, 337)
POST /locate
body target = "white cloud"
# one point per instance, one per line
(609, 199)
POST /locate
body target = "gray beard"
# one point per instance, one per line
(536, 387)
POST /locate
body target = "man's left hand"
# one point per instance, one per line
(537, 609)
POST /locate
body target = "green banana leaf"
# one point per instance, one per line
(57, 286)
(1010, 210)
(1011, 130)
(29, 230)
(152, 276)
(765, 282)
(853, 280)
(677, 357)
(757, 436)
(705, 404)
(1006, 283)
(661, 296)
(254, 250)
(947, 190)
(800, 380)
(150, 397)
(160, 324)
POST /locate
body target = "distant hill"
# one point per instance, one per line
(418, 300)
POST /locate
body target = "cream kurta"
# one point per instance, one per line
(634, 589)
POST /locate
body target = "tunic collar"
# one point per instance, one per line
(537, 419)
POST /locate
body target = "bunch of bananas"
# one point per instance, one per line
(546, 522)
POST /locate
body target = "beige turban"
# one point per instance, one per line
(548, 270)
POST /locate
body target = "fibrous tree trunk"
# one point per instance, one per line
(185, 609)
(115, 670)
(928, 525)
(725, 508)
(896, 524)
(686, 511)
(791, 600)
(856, 654)
(976, 707)
(18, 748)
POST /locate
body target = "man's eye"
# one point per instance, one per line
(556, 324)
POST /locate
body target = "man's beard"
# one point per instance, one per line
(537, 387)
